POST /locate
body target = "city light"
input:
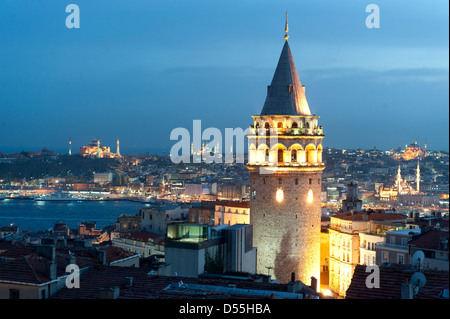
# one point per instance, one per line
(310, 197)
(327, 292)
(279, 195)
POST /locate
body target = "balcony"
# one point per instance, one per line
(392, 246)
(287, 131)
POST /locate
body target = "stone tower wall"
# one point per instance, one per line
(287, 234)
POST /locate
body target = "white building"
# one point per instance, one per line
(103, 178)
(155, 219)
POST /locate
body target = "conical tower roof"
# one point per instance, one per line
(286, 96)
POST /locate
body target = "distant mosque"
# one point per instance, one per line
(412, 152)
(400, 188)
(96, 150)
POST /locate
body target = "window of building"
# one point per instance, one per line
(400, 258)
(294, 155)
(14, 294)
(385, 257)
(280, 156)
(280, 125)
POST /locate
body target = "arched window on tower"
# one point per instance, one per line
(280, 125)
(294, 156)
(267, 125)
(294, 125)
(280, 156)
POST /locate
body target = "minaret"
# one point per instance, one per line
(399, 179)
(118, 148)
(285, 164)
(98, 148)
(418, 176)
(425, 150)
(70, 146)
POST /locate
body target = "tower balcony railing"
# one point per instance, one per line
(286, 164)
(288, 131)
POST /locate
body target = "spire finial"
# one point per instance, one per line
(286, 36)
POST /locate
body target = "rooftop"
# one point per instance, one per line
(431, 240)
(375, 216)
(392, 276)
(286, 96)
(145, 286)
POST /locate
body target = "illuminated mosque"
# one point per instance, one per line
(412, 152)
(400, 187)
(95, 150)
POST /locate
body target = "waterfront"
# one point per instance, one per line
(42, 215)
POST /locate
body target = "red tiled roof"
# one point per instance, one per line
(15, 250)
(150, 287)
(369, 216)
(443, 223)
(26, 266)
(25, 270)
(431, 239)
(230, 203)
(112, 253)
(391, 278)
(116, 253)
(143, 236)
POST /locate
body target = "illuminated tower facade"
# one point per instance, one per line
(70, 146)
(118, 149)
(285, 164)
(98, 148)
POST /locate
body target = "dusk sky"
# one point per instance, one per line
(136, 70)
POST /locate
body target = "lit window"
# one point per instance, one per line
(310, 197)
(279, 195)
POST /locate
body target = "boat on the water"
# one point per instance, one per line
(60, 196)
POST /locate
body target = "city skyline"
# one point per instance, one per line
(136, 73)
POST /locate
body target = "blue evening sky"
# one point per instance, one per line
(136, 69)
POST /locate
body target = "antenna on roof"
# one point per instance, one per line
(418, 280)
(418, 258)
